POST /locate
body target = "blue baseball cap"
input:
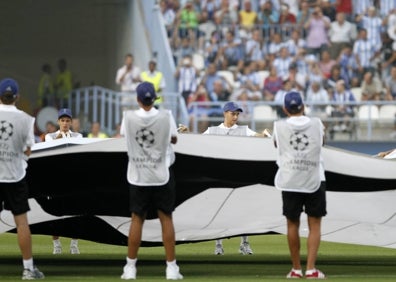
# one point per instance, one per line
(293, 101)
(146, 93)
(8, 85)
(232, 107)
(65, 112)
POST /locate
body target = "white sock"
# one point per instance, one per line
(219, 242)
(298, 271)
(171, 263)
(244, 239)
(310, 271)
(74, 242)
(131, 261)
(28, 264)
(57, 242)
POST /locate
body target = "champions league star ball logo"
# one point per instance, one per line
(6, 130)
(299, 141)
(145, 138)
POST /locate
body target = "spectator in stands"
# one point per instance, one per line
(293, 6)
(253, 50)
(169, 15)
(186, 75)
(117, 131)
(46, 92)
(200, 111)
(328, 9)
(345, 7)
(341, 32)
(303, 60)
(273, 82)
(342, 110)
(349, 66)
(295, 42)
(247, 17)
(365, 52)
(317, 29)
(386, 7)
(76, 127)
(390, 85)
(231, 51)
(282, 62)
(326, 63)
(318, 95)
(297, 79)
(286, 18)
(315, 73)
(187, 22)
(372, 23)
(128, 76)
(186, 48)
(267, 16)
(274, 46)
(219, 94)
(96, 131)
(249, 80)
(156, 77)
(360, 7)
(209, 8)
(371, 87)
(212, 48)
(335, 75)
(386, 56)
(226, 17)
(210, 76)
(63, 82)
(303, 16)
(391, 24)
(50, 127)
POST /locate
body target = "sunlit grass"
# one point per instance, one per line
(270, 261)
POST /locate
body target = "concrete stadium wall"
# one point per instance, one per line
(92, 35)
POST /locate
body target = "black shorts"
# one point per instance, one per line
(144, 199)
(15, 197)
(314, 204)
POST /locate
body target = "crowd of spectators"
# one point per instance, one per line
(314, 46)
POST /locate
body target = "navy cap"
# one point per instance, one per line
(8, 85)
(293, 101)
(64, 113)
(232, 107)
(146, 93)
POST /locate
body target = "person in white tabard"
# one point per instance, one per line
(64, 122)
(301, 178)
(16, 141)
(149, 135)
(229, 126)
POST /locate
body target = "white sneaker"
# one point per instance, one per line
(245, 249)
(173, 273)
(57, 250)
(129, 272)
(74, 250)
(32, 274)
(219, 249)
(74, 247)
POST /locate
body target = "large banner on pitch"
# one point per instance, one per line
(224, 189)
